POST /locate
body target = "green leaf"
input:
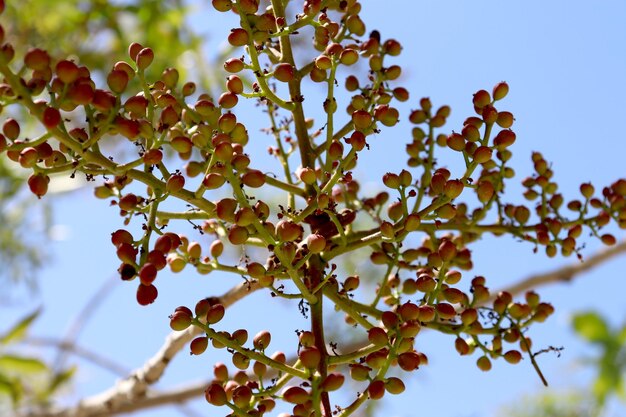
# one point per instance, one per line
(591, 326)
(17, 332)
(10, 387)
(13, 363)
(60, 379)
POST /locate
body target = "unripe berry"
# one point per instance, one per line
(361, 119)
(253, 178)
(180, 320)
(295, 395)
(505, 119)
(228, 100)
(445, 311)
(348, 56)
(483, 363)
(238, 235)
(175, 183)
(28, 157)
(323, 62)
(37, 60)
(481, 99)
(333, 382)
(608, 239)
(262, 340)
(352, 83)
(234, 84)
(213, 181)
(316, 243)
(394, 385)
(377, 336)
(453, 189)
(117, 81)
(306, 175)
(144, 58)
(485, 191)
(67, 71)
(284, 72)
(233, 65)
(310, 357)
(500, 90)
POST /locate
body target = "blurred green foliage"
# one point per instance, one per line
(98, 32)
(25, 379)
(610, 362)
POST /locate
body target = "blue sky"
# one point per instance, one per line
(565, 63)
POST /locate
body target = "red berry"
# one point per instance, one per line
(147, 273)
(51, 117)
(38, 184)
(11, 129)
(146, 294)
(199, 345)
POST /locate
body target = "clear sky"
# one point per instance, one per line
(565, 62)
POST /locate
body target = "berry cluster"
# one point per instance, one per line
(188, 148)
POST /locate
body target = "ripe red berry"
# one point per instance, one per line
(11, 129)
(38, 184)
(121, 236)
(376, 389)
(215, 395)
(146, 294)
(147, 273)
(199, 345)
(51, 117)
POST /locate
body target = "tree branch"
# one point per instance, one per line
(564, 273)
(125, 393)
